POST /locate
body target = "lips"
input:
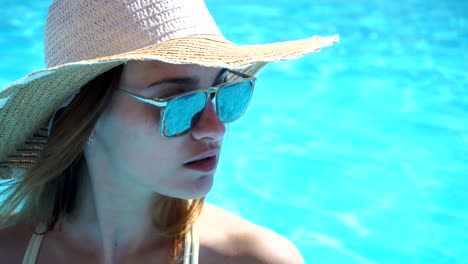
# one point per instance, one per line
(204, 162)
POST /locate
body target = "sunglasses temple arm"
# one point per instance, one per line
(240, 74)
(144, 99)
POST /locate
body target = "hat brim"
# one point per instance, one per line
(28, 103)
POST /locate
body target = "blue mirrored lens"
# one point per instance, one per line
(182, 113)
(233, 100)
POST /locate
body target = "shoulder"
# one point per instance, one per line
(14, 240)
(261, 245)
(235, 240)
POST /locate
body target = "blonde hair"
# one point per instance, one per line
(47, 192)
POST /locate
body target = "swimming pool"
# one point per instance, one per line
(357, 154)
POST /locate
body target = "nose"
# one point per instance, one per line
(209, 126)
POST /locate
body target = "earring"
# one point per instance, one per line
(90, 140)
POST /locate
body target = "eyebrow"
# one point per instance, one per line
(191, 81)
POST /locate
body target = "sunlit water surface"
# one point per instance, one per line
(357, 154)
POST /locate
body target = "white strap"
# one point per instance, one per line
(187, 247)
(191, 246)
(195, 244)
(34, 245)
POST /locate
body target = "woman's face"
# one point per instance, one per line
(128, 136)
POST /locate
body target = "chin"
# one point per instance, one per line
(200, 187)
(195, 188)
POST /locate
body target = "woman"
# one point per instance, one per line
(114, 146)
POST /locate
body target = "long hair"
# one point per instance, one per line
(48, 191)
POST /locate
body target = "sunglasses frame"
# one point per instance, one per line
(164, 102)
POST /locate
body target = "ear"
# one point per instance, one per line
(90, 140)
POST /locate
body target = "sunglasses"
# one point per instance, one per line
(182, 112)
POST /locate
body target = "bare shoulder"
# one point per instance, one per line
(13, 242)
(231, 239)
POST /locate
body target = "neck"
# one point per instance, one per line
(113, 217)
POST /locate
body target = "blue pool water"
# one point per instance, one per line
(357, 154)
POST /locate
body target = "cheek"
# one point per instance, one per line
(129, 132)
(126, 115)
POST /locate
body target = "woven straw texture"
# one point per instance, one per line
(84, 38)
(84, 29)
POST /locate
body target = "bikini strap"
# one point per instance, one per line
(195, 244)
(34, 245)
(191, 246)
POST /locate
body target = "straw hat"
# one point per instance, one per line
(85, 38)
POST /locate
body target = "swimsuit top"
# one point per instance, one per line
(191, 246)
